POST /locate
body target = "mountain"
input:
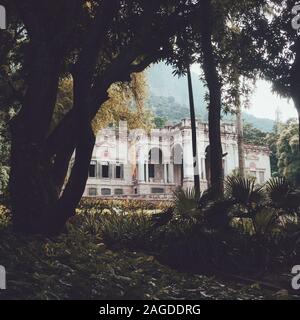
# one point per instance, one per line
(169, 98)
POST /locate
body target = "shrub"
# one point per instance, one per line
(131, 230)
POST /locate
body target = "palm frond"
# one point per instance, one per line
(282, 194)
(243, 190)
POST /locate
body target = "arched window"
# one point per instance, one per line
(155, 167)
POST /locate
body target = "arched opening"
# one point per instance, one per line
(155, 165)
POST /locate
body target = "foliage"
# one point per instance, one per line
(102, 46)
(159, 122)
(186, 201)
(127, 102)
(243, 190)
(254, 136)
(4, 155)
(120, 229)
(271, 141)
(203, 235)
(123, 206)
(78, 265)
(283, 144)
(288, 153)
(282, 194)
(202, 209)
(243, 233)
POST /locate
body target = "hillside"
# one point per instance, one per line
(169, 98)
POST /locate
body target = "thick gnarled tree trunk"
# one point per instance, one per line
(31, 188)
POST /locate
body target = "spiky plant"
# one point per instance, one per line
(244, 191)
(186, 201)
(282, 195)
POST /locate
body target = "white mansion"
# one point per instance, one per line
(138, 164)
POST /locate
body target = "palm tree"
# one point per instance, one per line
(194, 133)
(240, 138)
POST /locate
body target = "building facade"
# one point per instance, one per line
(136, 164)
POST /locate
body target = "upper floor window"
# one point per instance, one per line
(105, 170)
(151, 171)
(119, 171)
(93, 169)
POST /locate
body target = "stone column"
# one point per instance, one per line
(204, 168)
(165, 173)
(141, 172)
(147, 172)
(171, 173)
(188, 160)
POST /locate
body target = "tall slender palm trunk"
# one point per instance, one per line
(194, 133)
(240, 138)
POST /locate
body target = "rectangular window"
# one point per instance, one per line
(105, 171)
(92, 192)
(92, 169)
(119, 171)
(105, 192)
(119, 192)
(261, 177)
(151, 171)
(253, 174)
(157, 190)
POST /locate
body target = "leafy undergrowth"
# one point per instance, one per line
(78, 265)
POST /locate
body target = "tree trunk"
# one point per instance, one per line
(40, 204)
(194, 134)
(240, 136)
(215, 107)
(295, 82)
(40, 159)
(31, 187)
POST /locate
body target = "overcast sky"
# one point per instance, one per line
(264, 103)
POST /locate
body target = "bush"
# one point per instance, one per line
(131, 230)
